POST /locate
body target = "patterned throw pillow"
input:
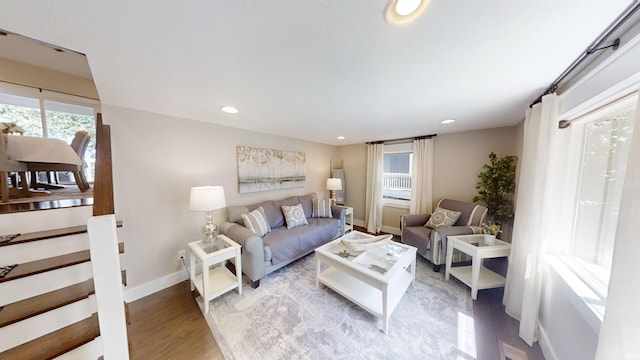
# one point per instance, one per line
(257, 222)
(442, 217)
(321, 208)
(294, 216)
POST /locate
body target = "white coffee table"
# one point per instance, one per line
(476, 276)
(375, 279)
(213, 282)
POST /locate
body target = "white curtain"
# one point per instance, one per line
(375, 162)
(540, 187)
(620, 330)
(422, 177)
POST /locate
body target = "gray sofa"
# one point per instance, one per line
(432, 243)
(281, 246)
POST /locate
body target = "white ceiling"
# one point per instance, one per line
(315, 70)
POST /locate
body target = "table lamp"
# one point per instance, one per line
(207, 199)
(334, 184)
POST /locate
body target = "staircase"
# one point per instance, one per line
(47, 303)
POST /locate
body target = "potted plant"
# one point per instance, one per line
(496, 186)
(490, 230)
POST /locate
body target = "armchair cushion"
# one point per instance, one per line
(442, 217)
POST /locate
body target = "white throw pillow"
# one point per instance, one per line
(442, 217)
(257, 222)
(321, 208)
(294, 216)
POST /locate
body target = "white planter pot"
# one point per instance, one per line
(489, 239)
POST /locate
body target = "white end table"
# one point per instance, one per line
(348, 218)
(476, 276)
(213, 282)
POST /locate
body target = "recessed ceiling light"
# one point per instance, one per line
(403, 12)
(341, 137)
(229, 109)
(447, 121)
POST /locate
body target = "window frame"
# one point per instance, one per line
(399, 148)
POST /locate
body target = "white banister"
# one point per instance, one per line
(105, 260)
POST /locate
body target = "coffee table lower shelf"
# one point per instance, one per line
(363, 294)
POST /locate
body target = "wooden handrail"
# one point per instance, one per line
(103, 184)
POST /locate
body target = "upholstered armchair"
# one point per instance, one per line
(432, 242)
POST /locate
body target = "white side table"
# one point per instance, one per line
(348, 218)
(476, 276)
(213, 282)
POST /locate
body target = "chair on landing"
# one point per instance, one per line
(79, 145)
(8, 166)
(431, 238)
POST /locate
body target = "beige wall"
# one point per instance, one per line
(38, 77)
(458, 157)
(156, 161)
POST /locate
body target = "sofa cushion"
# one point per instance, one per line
(307, 204)
(442, 217)
(257, 222)
(272, 211)
(287, 244)
(234, 213)
(294, 216)
(321, 208)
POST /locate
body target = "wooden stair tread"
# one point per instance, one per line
(49, 234)
(58, 342)
(36, 305)
(48, 264)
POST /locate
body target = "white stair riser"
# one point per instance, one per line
(24, 288)
(90, 350)
(32, 221)
(37, 326)
(36, 250)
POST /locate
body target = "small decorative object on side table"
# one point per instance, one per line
(348, 218)
(215, 281)
(476, 276)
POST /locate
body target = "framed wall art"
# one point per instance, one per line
(268, 169)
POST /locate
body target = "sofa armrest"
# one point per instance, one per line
(338, 212)
(253, 260)
(413, 220)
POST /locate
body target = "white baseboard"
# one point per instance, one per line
(387, 229)
(545, 345)
(148, 288)
(391, 230)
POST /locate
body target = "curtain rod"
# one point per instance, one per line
(593, 48)
(409, 138)
(41, 89)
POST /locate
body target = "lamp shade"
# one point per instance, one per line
(334, 184)
(205, 198)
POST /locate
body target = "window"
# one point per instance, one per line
(601, 180)
(396, 186)
(63, 118)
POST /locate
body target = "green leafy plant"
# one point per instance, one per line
(496, 186)
(490, 228)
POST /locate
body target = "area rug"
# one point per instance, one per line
(288, 318)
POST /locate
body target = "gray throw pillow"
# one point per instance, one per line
(294, 216)
(256, 221)
(321, 208)
(442, 217)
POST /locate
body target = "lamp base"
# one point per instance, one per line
(209, 228)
